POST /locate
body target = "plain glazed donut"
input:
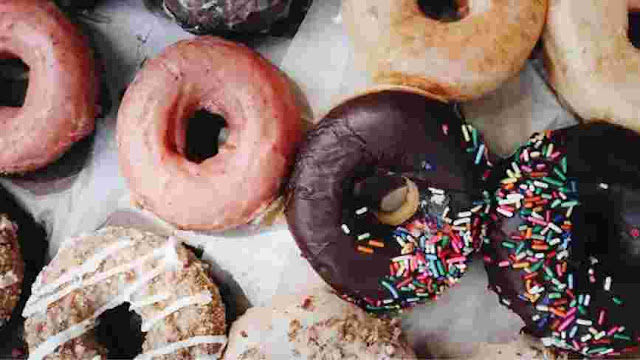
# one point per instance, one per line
(372, 139)
(563, 250)
(60, 105)
(182, 313)
(264, 124)
(591, 62)
(455, 60)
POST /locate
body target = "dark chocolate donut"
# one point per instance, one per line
(564, 250)
(385, 134)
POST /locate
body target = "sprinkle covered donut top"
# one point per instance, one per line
(552, 249)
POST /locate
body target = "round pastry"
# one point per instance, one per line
(11, 268)
(364, 155)
(60, 104)
(218, 77)
(521, 348)
(485, 44)
(315, 326)
(563, 250)
(244, 16)
(182, 313)
(591, 62)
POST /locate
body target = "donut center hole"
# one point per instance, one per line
(444, 10)
(14, 80)
(206, 132)
(119, 332)
(634, 28)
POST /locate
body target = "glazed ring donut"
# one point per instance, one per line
(458, 60)
(591, 62)
(60, 105)
(181, 309)
(353, 162)
(264, 125)
(564, 245)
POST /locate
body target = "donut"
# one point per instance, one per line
(317, 325)
(264, 126)
(239, 16)
(591, 62)
(378, 143)
(182, 313)
(486, 43)
(11, 268)
(60, 104)
(522, 348)
(562, 251)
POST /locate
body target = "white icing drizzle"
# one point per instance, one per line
(149, 301)
(7, 279)
(171, 255)
(196, 340)
(199, 299)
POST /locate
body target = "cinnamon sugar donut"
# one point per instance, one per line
(592, 64)
(458, 60)
(60, 105)
(11, 268)
(181, 309)
(240, 181)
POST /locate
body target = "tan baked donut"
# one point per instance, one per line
(60, 105)
(591, 62)
(181, 309)
(456, 60)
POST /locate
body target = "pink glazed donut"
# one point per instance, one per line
(60, 105)
(244, 177)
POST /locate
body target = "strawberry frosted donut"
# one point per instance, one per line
(243, 178)
(60, 105)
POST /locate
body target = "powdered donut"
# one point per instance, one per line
(264, 125)
(318, 325)
(459, 60)
(60, 105)
(181, 309)
(592, 64)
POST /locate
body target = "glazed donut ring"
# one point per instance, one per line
(264, 125)
(455, 60)
(592, 64)
(60, 106)
(181, 309)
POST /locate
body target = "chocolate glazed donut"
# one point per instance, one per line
(565, 247)
(385, 134)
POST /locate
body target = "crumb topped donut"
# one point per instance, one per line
(563, 250)
(318, 325)
(11, 268)
(459, 60)
(389, 154)
(182, 313)
(246, 175)
(60, 104)
(591, 62)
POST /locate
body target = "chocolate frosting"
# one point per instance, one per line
(384, 132)
(603, 243)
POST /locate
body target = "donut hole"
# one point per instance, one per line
(205, 133)
(634, 28)
(444, 10)
(14, 77)
(119, 332)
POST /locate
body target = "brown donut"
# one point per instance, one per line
(239, 182)
(60, 105)
(11, 268)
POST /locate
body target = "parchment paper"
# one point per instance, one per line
(253, 266)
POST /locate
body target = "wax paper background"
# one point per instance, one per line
(252, 265)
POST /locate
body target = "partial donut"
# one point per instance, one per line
(245, 176)
(591, 62)
(11, 268)
(318, 325)
(60, 105)
(485, 44)
(182, 313)
(361, 154)
(563, 250)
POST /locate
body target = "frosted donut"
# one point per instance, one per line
(181, 309)
(60, 105)
(239, 182)
(318, 325)
(592, 64)
(457, 60)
